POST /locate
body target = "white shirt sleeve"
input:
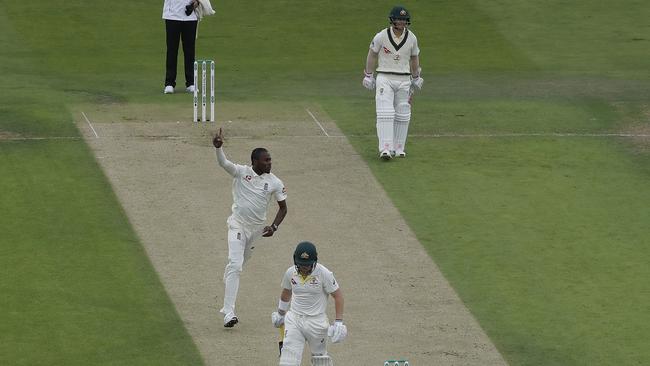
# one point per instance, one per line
(415, 50)
(280, 192)
(226, 164)
(329, 284)
(375, 45)
(286, 280)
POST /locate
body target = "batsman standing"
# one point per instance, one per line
(306, 287)
(395, 54)
(253, 187)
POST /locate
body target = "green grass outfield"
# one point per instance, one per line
(543, 236)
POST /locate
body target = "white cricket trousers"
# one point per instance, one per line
(240, 249)
(392, 100)
(299, 329)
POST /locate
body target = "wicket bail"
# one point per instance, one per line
(204, 64)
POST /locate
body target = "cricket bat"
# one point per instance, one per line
(281, 331)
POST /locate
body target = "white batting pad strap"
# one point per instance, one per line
(321, 361)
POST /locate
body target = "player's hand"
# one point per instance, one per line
(217, 141)
(368, 81)
(277, 319)
(268, 231)
(337, 331)
(417, 82)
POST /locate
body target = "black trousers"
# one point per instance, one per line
(180, 30)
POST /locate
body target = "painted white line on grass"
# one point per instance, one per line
(318, 123)
(89, 124)
(552, 134)
(168, 137)
(40, 138)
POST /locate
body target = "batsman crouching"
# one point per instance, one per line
(306, 287)
(253, 188)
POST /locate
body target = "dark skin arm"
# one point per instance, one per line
(282, 212)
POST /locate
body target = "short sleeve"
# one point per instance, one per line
(415, 50)
(280, 191)
(329, 282)
(375, 45)
(286, 280)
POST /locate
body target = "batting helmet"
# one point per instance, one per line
(305, 254)
(399, 13)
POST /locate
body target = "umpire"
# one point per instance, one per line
(180, 24)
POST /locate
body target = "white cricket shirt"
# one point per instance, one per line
(394, 54)
(309, 294)
(175, 10)
(251, 192)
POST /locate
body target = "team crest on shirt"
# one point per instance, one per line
(266, 187)
(396, 58)
(313, 281)
(248, 178)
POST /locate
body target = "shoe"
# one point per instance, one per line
(190, 89)
(231, 321)
(385, 155)
(400, 154)
(169, 89)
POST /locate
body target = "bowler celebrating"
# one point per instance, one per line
(253, 187)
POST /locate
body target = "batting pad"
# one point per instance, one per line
(401, 127)
(289, 357)
(321, 361)
(385, 131)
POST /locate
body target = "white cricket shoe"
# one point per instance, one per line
(400, 154)
(385, 155)
(190, 89)
(169, 89)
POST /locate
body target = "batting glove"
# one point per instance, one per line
(277, 319)
(337, 331)
(368, 81)
(417, 82)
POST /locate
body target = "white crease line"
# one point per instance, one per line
(558, 134)
(578, 135)
(89, 124)
(40, 138)
(318, 123)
